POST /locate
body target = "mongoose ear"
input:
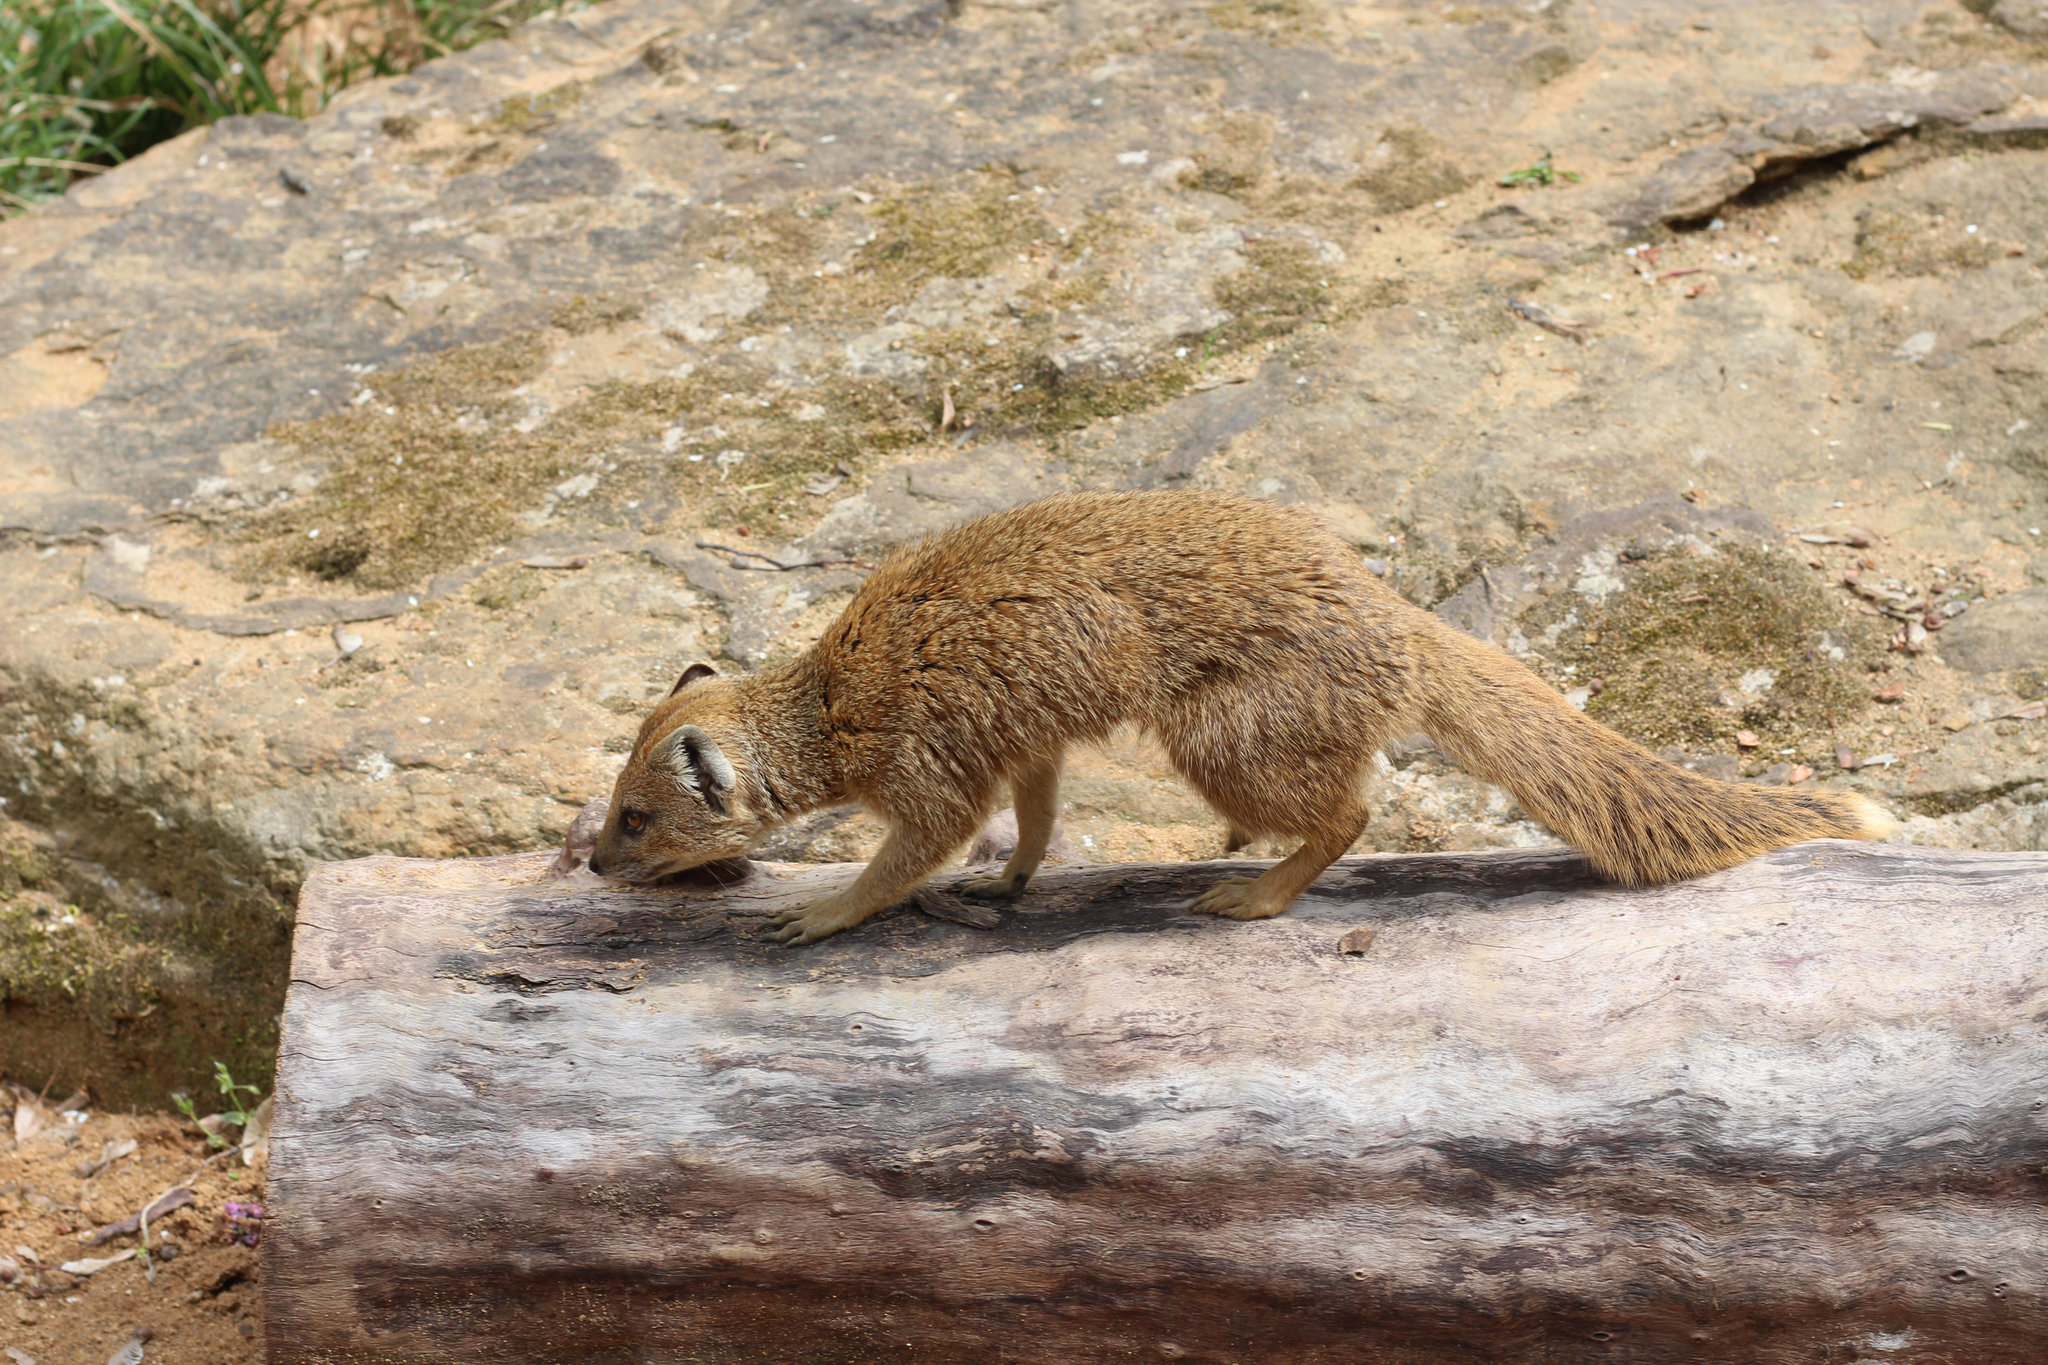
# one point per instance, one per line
(694, 673)
(699, 765)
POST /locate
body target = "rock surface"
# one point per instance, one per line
(370, 519)
(2011, 633)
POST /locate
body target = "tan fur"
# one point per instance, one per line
(1247, 638)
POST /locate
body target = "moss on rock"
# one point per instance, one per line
(1890, 243)
(54, 955)
(524, 113)
(446, 456)
(586, 313)
(417, 477)
(1407, 170)
(957, 230)
(1280, 22)
(1698, 647)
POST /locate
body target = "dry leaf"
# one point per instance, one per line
(1357, 941)
(112, 1152)
(93, 1265)
(256, 1135)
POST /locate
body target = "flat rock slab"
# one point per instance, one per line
(1793, 1111)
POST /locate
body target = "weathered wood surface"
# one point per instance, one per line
(1797, 1111)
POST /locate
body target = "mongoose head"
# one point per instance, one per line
(680, 802)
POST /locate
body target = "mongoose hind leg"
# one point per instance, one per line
(1235, 839)
(1036, 789)
(907, 857)
(1276, 888)
(1259, 772)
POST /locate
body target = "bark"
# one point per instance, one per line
(1789, 1112)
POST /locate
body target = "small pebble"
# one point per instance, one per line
(1357, 941)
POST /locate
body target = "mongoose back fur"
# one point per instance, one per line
(1247, 638)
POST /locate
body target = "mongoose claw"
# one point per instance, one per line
(809, 923)
(1232, 898)
(990, 888)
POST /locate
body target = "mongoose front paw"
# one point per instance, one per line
(991, 888)
(809, 923)
(1233, 898)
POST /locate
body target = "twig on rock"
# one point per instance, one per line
(770, 564)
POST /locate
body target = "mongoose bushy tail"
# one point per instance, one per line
(1637, 818)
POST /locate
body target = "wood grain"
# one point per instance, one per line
(1795, 1111)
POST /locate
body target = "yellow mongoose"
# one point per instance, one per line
(1247, 638)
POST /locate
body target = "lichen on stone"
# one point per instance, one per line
(745, 446)
(74, 962)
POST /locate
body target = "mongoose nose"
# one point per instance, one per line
(596, 866)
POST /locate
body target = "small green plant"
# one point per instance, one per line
(1542, 173)
(231, 1090)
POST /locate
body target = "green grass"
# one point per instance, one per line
(87, 84)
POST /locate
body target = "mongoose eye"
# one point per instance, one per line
(635, 821)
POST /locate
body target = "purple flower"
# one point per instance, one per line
(242, 1222)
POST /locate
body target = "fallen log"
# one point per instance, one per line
(1795, 1111)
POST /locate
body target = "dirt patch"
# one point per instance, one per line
(203, 1306)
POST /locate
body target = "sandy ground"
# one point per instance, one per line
(203, 1304)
